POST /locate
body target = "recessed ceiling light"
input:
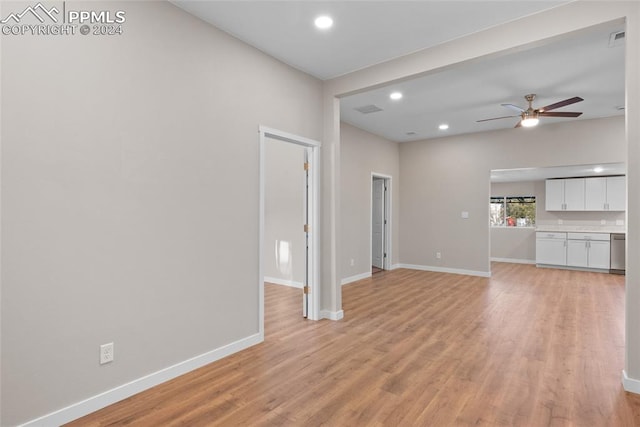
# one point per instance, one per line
(395, 95)
(598, 169)
(323, 22)
(443, 126)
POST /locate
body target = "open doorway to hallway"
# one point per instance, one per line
(380, 196)
(284, 214)
(288, 249)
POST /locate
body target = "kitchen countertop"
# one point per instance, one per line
(582, 228)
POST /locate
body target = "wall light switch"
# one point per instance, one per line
(559, 222)
(465, 214)
(619, 221)
(603, 222)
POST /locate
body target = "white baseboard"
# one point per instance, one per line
(331, 315)
(284, 282)
(396, 266)
(445, 270)
(102, 400)
(355, 278)
(514, 260)
(631, 385)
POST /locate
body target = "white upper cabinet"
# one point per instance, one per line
(565, 194)
(596, 194)
(617, 193)
(555, 195)
(606, 194)
(574, 194)
(590, 194)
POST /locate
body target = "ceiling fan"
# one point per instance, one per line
(530, 116)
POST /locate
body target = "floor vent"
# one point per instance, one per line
(368, 109)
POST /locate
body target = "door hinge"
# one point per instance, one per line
(306, 290)
(307, 166)
(307, 228)
(385, 255)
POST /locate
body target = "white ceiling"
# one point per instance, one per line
(578, 65)
(369, 32)
(364, 32)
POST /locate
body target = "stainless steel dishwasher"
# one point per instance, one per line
(618, 258)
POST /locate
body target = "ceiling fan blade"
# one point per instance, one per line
(519, 124)
(514, 107)
(560, 104)
(495, 118)
(560, 114)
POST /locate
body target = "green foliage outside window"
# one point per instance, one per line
(513, 211)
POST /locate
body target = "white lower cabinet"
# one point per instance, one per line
(577, 253)
(551, 248)
(600, 254)
(589, 250)
(583, 250)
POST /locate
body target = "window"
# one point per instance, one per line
(512, 211)
(497, 212)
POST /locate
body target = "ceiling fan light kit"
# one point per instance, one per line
(531, 117)
(529, 121)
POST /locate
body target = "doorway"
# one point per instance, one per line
(380, 222)
(308, 225)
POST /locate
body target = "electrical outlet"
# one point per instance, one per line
(438, 255)
(559, 222)
(106, 353)
(603, 222)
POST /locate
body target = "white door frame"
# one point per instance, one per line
(313, 260)
(386, 245)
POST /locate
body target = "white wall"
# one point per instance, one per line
(361, 154)
(130, 198)
(441, 178)
(284, 238)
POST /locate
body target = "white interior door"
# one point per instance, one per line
(377, 222)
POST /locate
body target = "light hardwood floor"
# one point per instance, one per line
(528, 347)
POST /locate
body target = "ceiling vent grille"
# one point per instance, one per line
(616, 39)
(368, 109)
